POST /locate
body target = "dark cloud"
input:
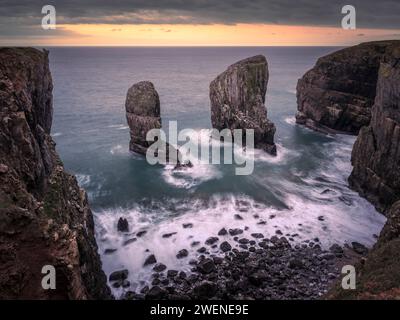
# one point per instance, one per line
(370, 13)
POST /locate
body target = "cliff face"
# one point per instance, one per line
(338, 93)
(44, 215)
(237, 101)
(376, 153)
(376, 176)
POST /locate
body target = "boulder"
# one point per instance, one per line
(122, 225)
(119, 275)
(151, 259)
(237, 101)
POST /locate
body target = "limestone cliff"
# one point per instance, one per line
(45, 218)
(237, 101)
(338, 93)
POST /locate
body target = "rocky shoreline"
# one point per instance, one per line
(256, 268)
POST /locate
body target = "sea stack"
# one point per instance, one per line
(237, 101)
(338, 93)
(142, 113)
(45, 218)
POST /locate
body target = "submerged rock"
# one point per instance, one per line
(338, 93)
(237, 101)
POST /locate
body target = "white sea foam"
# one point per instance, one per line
(83, 179)
(119, 149)
(341, 224)
(322, 206)
(290, 120)
(118, 126)
(56, 134)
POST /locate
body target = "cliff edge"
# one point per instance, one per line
(337, 94)
(45, 218)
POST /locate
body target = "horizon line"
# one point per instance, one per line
(171, 46)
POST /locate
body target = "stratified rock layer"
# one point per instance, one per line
(338, 93)
(45, 218)
(237, 101)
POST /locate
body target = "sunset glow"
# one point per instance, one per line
(205, 35)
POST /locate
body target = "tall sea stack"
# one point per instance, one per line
(142, 113)
(237, 101)
(45, 218)
(338, 93)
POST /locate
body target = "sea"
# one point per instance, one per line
(302, 193)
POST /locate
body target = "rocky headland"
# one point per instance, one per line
(376, 152)
(45, 218)
(357, 91)
(376, 176)
(337, 94)
(238, 101)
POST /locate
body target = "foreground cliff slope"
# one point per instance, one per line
(376, 175)
(237, 101)
(337, 94)
(44, 215)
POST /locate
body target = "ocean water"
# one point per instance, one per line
(290, 192)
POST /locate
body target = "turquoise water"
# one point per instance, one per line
(307, 179)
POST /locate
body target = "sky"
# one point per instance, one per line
(197, 22)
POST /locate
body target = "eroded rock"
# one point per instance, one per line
(338, 93)
(237, 101)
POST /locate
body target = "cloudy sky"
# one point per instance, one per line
(197, 22)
